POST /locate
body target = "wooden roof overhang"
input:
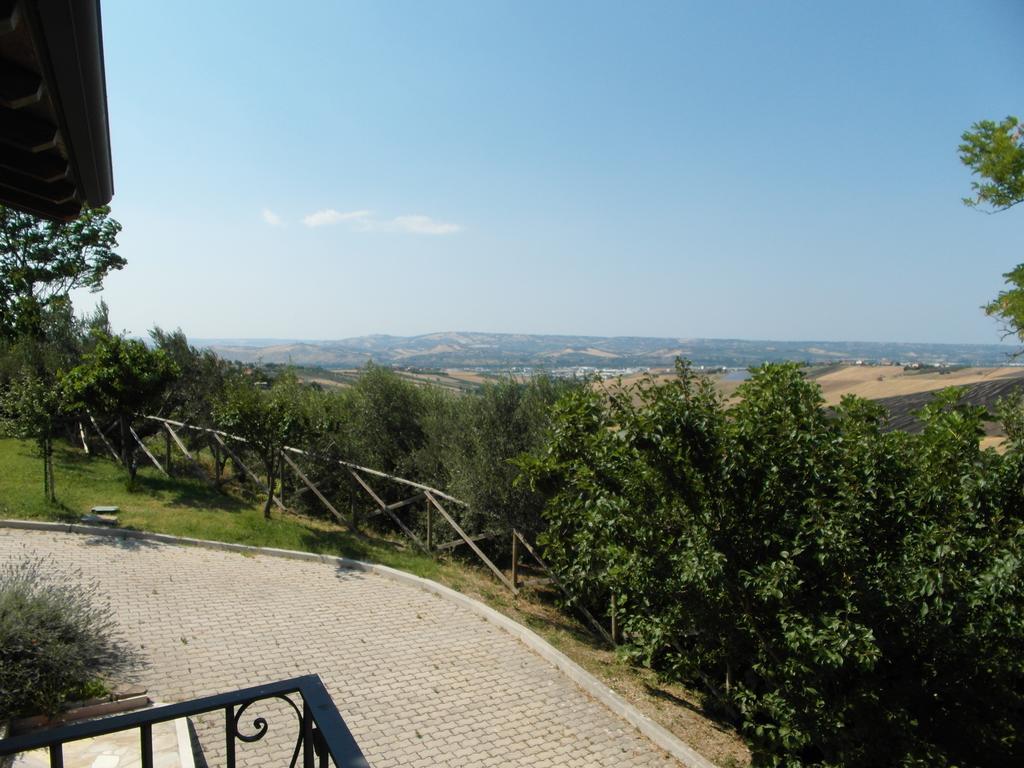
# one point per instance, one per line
(54, 134)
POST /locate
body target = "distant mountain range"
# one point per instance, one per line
(503, 351)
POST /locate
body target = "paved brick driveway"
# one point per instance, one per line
(420, 681)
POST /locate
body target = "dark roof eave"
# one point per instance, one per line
(69, 37)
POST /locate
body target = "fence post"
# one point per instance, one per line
(515, 560)
(167, 453)
(281, 475)
(430, 526)
(216, 464)
(615, 622)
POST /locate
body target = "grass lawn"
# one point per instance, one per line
(180, 506)
(191, 507)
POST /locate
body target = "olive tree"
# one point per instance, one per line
(41, 262)
(30, 409)
(266, 418)
(119, 378)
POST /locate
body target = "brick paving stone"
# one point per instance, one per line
(421, 682)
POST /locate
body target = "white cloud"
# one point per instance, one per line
(364, 221)
(272, 218)
(424, 225)
(331, 216)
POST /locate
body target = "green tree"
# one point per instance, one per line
(30, 409)
(201, 380)
(852, 595)
(267, 419)
(332, 436)
(30, 370)
(995, 154)
(42, 261)
(119, 378)
(491, 429)
(388, 416)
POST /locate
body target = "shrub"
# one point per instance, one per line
(56, 637)
(496, 425)
(852, 595)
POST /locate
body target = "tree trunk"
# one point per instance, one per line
(128, 449)
(46, 473)
(281, 475)
(168, 463)
(122, 423)
(218, 468)
(353, 522)
(270, 485)
(48, 458)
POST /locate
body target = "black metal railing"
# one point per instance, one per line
(320, 730)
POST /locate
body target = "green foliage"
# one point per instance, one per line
(30, 409)
(380, 422)
(1008, 306)
(201, 379)
(1010, 413)
(852, 595)
(331, 437)
(995, 153)
(56, 637)
(57, 346)
(268, 419)
(387, 420)
(42, 261)
(478, 443)
(463, 444)
(119, 378)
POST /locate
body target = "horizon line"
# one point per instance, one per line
(325, 340)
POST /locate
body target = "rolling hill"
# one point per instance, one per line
(504, 351)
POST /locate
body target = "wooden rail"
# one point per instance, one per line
(103, 437)
(430, 494)
(146, 450)
(384, 508)
(432, 497)
(594, 623)
(472, 545)
(252, 475)
(313, 488)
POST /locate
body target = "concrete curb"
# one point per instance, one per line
(656, 733)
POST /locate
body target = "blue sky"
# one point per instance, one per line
(781, 170)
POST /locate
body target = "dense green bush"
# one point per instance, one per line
(463, 444)
(852, 596)
(490, 430)
(201, 381)
(267, 419)
(388, 420)
(120, 379)
(56, 637)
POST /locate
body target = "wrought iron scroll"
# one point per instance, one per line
(261, 727)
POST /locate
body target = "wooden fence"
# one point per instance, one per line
(363, 477)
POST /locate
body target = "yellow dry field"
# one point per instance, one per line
(998, 442)
(869, 381)
(660, 375)
(878, 381)
(473, 377)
